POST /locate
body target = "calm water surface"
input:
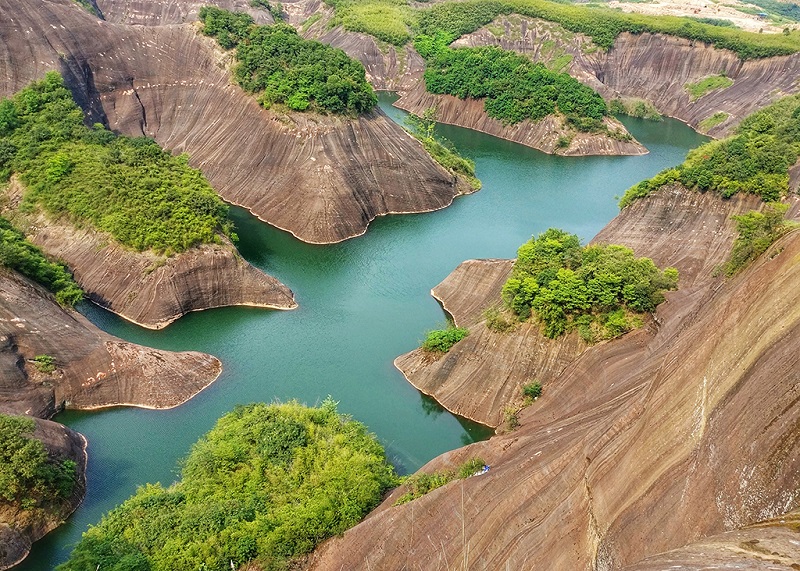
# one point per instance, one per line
(362, 303)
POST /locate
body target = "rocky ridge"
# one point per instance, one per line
(642, 445)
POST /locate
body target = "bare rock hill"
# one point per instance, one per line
(19, 528)
(92, 369)
(645, 444)
(484, 373)
(321, 178)
(653, 67)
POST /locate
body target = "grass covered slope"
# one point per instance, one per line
(144, 197)
(756, 159)
(266, 484)
(599, 290)
(19, 254)
(281, 67)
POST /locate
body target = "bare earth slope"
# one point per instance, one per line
(20, 528)
(93, 369)
(653, 67)
(668, 435)
(321, 178)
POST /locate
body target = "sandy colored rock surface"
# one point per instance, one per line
(20, 528)
(321, 178)
(642, 445)
(93, 369)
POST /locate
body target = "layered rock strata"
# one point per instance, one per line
(671, 434)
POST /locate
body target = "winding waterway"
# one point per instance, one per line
(362, 303)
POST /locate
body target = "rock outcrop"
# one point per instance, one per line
(484, 373)
(653, 67)
(321, 178)
(92, 369)
(149, 13)
(19, 528)
(664, 437)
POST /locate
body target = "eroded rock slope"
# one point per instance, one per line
(671, 434)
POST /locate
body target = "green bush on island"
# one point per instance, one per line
(143, 196)
(283, 68)
(599, 290)
(266, 484)
(20, 255)
(29, 478)
(756, 159)
(442, 340)
(513, 87)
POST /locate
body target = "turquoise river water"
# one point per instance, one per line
(362, 303)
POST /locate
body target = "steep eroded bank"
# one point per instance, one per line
(644, 444)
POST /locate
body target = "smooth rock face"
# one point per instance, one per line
(93, 369)
(321, 178)
(20, 528)
(670, 434)
(161, 12)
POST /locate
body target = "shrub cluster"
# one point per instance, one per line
(129, 187)
(757, 231)
(421, 483)
(756, 159)
(281, 67)
(266, 484)
(442, 340)
(513, 87)
(596, 289)
(20, 255)
(29, 478)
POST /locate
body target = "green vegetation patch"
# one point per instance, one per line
(442, 340)
(388, 20)
(707, 85)
(421, 483)
(19, 254)
(710, 122)
(634, 107)
(442, 150)
(29, 477)
(603, 25)
(143, 196)
(757, 232)
(266, 484)
(756, 159)
(513, 87)
(599, 290)
(281, 67)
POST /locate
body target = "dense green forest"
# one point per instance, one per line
(129, 187)
(513, 87)
(755, 159)
(20, 255)
(29, 478)
(395, 22)
(281, 67)
(266, 484)
(598, 290)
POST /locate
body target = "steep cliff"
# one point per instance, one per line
(92, 369)
(673, 433)
(321, 178)
(19, 528)
(147, 289)
(653, 67)
(148, 13)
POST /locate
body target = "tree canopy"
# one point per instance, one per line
(266, 484)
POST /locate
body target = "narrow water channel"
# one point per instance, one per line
(362, 303)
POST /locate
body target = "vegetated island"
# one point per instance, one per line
(265, 486)
(95, 198)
